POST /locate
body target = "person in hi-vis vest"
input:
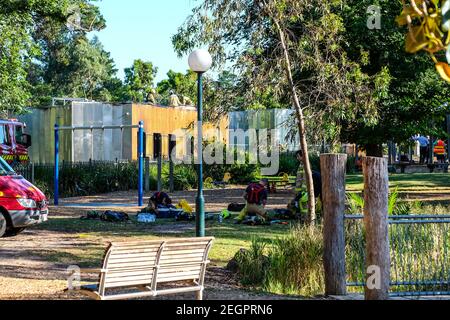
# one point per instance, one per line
(439, 150)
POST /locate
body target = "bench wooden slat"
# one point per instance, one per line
(124, 278)
(126, 273)
(179, 276)
(181, 256)
(127, 284)
(124, 265)
(142, 246)
(178, 252)
(184, 246)
(121, 259)
(165, 270)
(181, 260)
(134, 250)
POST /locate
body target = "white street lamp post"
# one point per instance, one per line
(200, 61)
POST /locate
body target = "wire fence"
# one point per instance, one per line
(420, 262)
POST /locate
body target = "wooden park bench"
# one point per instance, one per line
(138, 269)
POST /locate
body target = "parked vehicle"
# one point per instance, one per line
(21, 204)
(14, 143)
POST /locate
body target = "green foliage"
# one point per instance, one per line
(296, 263)
(289, 164)
(46, 52)
(44, 187)
(185, 177)
(415, 94)
(181, 84)
(252, 264)
(396, 206)
(289, 265)
(332, 85)
(355, 203)
(83, 69)
(81, 179)
(139, 80)
(16, 53)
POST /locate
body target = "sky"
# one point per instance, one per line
(142, 29)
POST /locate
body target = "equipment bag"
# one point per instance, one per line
(114, 216)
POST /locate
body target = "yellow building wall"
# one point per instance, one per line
(169, 120)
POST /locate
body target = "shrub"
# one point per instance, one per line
(293, 264)
(184, 177)
(252, 264)
(43, 186)
(355, 204)
(79, 179)
(289, 163)
(296, 263)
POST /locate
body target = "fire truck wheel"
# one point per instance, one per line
(3, 224)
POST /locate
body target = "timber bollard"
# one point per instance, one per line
(333, 169)
(376, 194)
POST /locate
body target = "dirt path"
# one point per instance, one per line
(34, 264)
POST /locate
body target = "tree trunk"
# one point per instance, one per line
(302, 128)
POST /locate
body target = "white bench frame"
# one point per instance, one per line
(98, 291)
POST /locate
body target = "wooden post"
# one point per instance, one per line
(333, 168)
(376, 193)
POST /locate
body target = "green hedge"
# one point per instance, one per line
(78, 179)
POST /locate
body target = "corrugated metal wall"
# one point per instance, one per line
(101, 145)
(278, 119)
(111, 144)
(40, 124)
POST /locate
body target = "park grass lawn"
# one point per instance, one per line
(414, 183)
(90, 237)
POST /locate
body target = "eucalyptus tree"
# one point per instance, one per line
(139, 79)
(295, 48)
(415, 97)
(45, 52)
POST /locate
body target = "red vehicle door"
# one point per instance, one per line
(6, 148)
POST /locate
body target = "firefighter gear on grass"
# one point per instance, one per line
(183, 204)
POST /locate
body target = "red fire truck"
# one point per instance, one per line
(14, 143)
(21, 204)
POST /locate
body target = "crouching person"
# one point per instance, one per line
(256, 199)
(160, 200)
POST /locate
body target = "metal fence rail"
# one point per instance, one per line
(419, 250)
